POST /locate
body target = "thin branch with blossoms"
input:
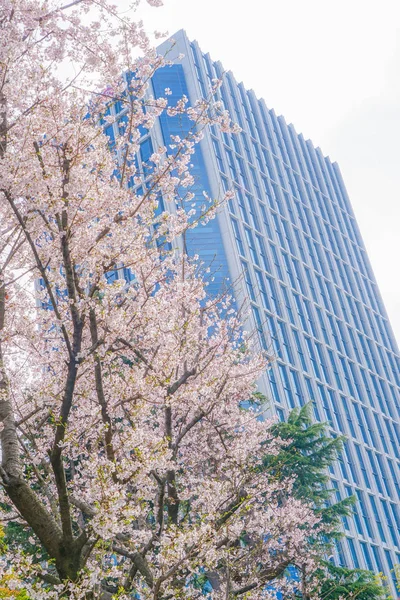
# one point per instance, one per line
(125, 448)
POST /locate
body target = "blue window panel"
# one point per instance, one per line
(343, 467)
(323, 292)
(251, 245)
(354, 344)
(248, 281)
(396, 430)
(380, 433)
(334, 332)
(128, 275)
(109, 131)
(288, 304)
(360, 421)
(347, 376)
(334, 368)
(378, 558)
(278, 230)
(299, 397)
(322, 324)
(391, 437)
(353, 553)
(278, 198)
(300, 245)
(350, 461)
(378, 394)
(325, 403)
(286, 386)
(395, 511)
(238, 237)
(111, 276)
(338, 498)
(393, 367)
(268, 191)
(340, 557)
(263, 290)
(232, 166)
(394, 404)
(392, 570)
(336, 410)
(273, 331)
(259, 326)
(260, 245)
(299, 350)
(383, 473)
(367, 556)
(253, 213)
(366, 387)
(311, 397)
(288, 236)
(370, 426)
(281, 414)
(271, 287)
(389, 522)
(362, 464)
(322, 364)
(146, 150)
(365, 351)
(311, 355)
(364, 513)
(374, 471)
(356, 515)
(274, 387)
(310, 318)
(242, 205)
(265, 220)
(218, 154)
(311, 253)
(343, 334)
(290, 276)
(276, 261)
(285, 345)
(300, 313)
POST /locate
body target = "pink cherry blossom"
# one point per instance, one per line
(125, 451)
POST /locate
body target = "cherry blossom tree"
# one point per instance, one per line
(127, 456)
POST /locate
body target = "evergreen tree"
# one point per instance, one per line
(306, 454)
(339, 583)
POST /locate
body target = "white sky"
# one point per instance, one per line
(333, 70)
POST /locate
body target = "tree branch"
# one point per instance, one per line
(100, 391)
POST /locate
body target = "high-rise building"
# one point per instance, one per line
(289, 244)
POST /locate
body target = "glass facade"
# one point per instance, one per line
(290, 244)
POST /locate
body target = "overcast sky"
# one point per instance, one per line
(333, 70)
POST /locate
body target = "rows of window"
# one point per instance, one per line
(358, 465)
(333, 188)
(375, 523)
(271, 132)
(346, 415)
(349, 338)
(371, 555)
(316, 307)
(321, 257)
(290, 238)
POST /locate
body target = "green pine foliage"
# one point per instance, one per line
(340, 583)
(307, 455)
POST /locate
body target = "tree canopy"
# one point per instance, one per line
(126, 455)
